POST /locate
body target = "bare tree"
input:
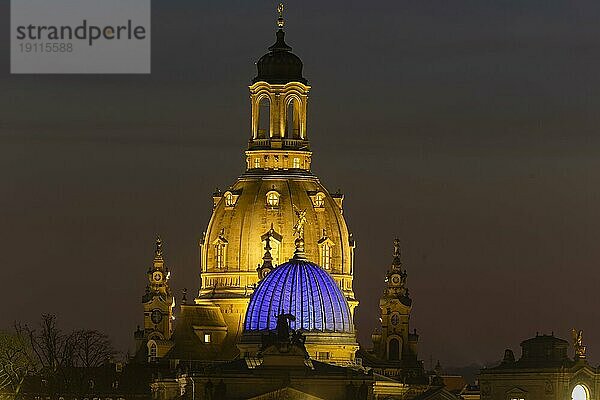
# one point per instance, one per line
(92, 349)
(62, 360)
(52, 348)
(16, 362)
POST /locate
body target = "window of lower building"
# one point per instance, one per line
(207, 338)
(580, 392)
(257, 162)
(296, 163)
(152, 351)
(323, 355)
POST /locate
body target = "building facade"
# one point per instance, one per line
(543, 372)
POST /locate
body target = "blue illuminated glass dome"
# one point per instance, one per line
(304, 290)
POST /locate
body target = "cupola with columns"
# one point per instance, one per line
(278, 97)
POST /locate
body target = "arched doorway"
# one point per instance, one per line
(394, 350)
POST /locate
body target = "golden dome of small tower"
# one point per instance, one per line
(260, 205)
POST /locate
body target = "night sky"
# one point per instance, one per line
(469, 129)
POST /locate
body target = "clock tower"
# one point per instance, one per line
(158, 302)
(393, 341)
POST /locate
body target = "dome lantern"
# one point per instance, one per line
(279, 95)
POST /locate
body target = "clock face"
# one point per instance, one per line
(157, 276)
(156, 316)
(396, 279)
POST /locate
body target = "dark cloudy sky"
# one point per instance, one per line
(467, 128)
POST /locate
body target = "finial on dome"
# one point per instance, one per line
(299, 252)
(397, 252)
(268, 258)
(184, 296)
(158, 248)
(267, 265)
(280, 20)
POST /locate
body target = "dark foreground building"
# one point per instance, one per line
(543, 372)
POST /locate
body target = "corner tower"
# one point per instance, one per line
(393, 341)
(154, 341)
(260, 205)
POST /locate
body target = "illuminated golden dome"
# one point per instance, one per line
(244, 214)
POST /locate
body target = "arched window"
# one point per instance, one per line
(264, 118)
(292, 122)
(220, 255)
(319, 200)
(152, 351)
(257, 162)
(326, 255)
(296, 163)
(580, 392)
(394, 350)
(229, 201)
(273, 199)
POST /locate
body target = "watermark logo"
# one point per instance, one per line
(80, 36)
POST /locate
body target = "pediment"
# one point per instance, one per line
(584, 372)
(516, 390)
(287, 393)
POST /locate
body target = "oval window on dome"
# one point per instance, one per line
(580, 392)
(273, 199)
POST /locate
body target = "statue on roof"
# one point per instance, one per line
(299, 226)
(578, 345)
(283, 327)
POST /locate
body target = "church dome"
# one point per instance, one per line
(279, 65)
(257, 203)
(304, 290)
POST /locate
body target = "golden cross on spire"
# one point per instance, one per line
(280, 20)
